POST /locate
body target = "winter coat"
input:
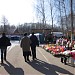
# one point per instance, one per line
(34, 41)
(4, 42)
(25, 43)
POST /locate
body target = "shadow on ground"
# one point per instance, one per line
(12, 70)
(48, 69)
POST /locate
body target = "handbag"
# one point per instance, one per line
(9, 44)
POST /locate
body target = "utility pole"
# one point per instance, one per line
(61, 17)
(71, 21)
(51, 15)
(65, 18)
(43, 10)
(71, 2)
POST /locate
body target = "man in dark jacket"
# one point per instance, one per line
(4, 42)
(34, 43)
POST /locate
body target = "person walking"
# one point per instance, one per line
(34, 43)
(25, 45)
(4, 42)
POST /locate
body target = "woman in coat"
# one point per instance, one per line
(25, 45)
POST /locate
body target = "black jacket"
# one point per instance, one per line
(34, 41)
(4, 41)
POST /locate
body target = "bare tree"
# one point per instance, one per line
(4, 22)
(51, 6)
(61, 7)
(40, 7)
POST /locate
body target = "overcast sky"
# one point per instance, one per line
(17, 11)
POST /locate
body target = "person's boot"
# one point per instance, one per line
(28, 58)
(62, 59)
(25, 59)
(2, 62)
(65, 60)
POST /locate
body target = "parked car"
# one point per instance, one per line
(15, 38)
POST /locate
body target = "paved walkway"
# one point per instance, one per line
(46, 64)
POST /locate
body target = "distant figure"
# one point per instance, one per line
(64, 59)
(68, 47)
(25, 45)
(4, 42)
(34, 43)
(54, 39)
